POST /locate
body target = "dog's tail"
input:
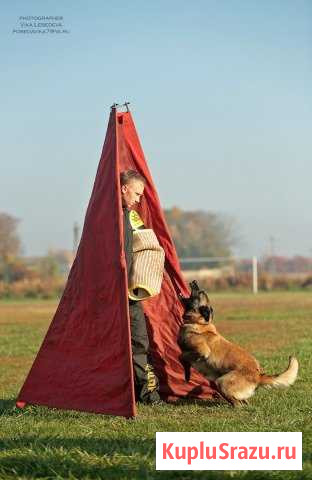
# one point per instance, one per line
(284, 379)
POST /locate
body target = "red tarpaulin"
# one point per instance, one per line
(84, 362)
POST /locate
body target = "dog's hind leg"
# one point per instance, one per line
(235, 388)
(232, 401)
(220, 396)
(229, 400)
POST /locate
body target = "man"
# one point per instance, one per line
(146, 383)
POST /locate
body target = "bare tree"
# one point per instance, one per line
(10, 243)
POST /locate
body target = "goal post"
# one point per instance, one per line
(216, 266)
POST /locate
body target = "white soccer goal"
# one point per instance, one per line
(214, 267)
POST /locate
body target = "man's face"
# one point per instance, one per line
(132, 192)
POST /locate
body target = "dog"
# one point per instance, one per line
(235, 372)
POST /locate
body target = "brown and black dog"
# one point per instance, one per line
(236, 372)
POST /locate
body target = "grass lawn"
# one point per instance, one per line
(45, 443)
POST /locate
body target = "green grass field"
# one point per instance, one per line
(45, 443)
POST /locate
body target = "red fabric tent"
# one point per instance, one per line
(84, 362)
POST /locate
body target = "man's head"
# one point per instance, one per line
(132, 187)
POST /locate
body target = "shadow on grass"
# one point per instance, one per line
(7, 407)
(101, 458)
(213, 403)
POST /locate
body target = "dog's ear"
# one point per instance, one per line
(194, 288)
(203, 299)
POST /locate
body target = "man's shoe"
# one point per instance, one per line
(154, 402)
(152, 398)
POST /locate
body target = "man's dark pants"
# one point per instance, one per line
(146, 383)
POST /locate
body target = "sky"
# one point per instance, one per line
(220, 93)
